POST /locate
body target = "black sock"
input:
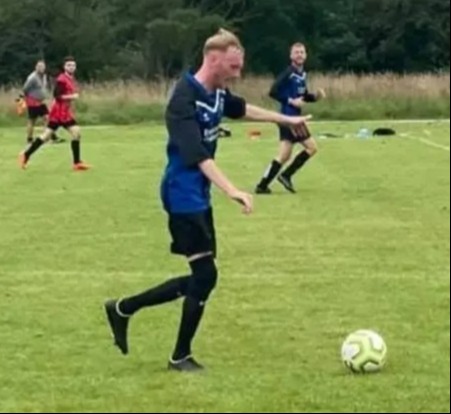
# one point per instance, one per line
(35, 145)
(297, 164)
(194, 306)
(193, 310)
(167, 292)
(76, 151)
(30, 139)
(271, 173)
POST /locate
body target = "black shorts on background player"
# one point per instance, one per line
(54, 126)
(36, 112)
(286, 134)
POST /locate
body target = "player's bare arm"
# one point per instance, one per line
(257, 114)
(220, 180)
(72, 97)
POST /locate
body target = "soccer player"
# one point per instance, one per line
(35, 92)
(61, 115)
(291, 91)
(193, 116)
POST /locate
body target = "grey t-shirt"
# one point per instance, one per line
(37, 87)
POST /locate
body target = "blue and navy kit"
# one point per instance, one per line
(193, 119)
(291, 84)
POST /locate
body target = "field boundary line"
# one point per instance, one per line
(429, 143)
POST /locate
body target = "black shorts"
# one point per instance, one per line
(35, 112)
(192, 233)
(54, 126)
(286, 134)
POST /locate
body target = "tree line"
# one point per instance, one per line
(151, 39)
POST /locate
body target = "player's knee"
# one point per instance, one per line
(284, 157)
(204, 278)
(47, 135)
(312, 149)
(76, 133)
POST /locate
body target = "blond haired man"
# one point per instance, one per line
(198, 103)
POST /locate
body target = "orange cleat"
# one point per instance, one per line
(81, 166)
(23, 162)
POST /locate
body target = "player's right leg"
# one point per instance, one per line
(24, 157)
(201, 284)
(273, 170)
(120, 312)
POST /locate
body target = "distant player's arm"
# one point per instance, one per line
(257, 114)
(184, 130)
(278, 92)
(310, 97)
(29, 85)
(61, 92)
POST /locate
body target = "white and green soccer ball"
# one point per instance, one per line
(364, 351)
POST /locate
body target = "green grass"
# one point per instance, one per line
(365, 244)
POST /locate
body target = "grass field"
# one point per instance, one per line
(365, 244)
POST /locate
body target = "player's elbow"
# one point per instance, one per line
(274, 95)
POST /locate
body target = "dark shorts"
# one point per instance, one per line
(192, 233)
(35, 112)
(286, 134)
(54, 126)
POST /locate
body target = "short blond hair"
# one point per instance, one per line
(298, 44)
(222, 41)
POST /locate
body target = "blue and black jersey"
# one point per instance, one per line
(193, 119)
(291, 84)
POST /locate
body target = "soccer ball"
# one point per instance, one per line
(364, 351)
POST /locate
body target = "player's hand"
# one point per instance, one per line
(75, 96)
(297, 124)
(321, 94)
(297, 121)
(297, 103)
(245, 199)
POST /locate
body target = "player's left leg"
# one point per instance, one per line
(201, 284)
(75, 133)
(54, 139)
(310, 150)
(25, 156)
(284, 155)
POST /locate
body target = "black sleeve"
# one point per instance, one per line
(184, 131)
(310, 97)
(234, 106)
(277, 89)
(59, 90)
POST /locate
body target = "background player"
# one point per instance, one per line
(36, 90)
(290, 90)
(193, 118)
(61, 115)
